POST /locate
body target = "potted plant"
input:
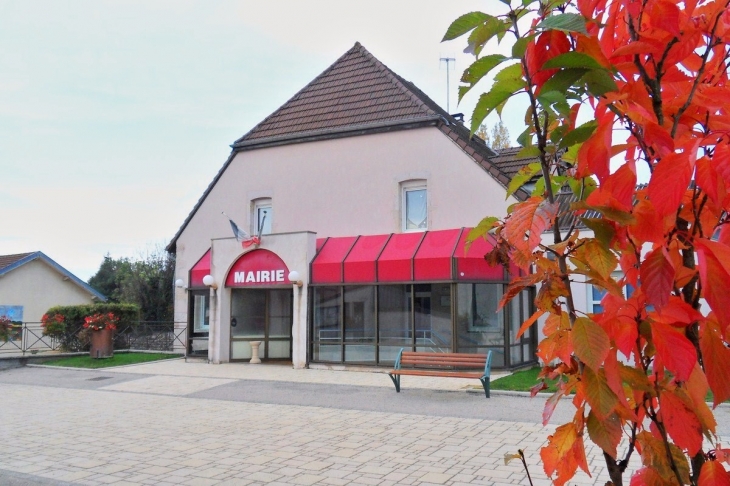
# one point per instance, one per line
(101, 328)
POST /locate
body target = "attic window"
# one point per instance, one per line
(262, 217)
(414, 206)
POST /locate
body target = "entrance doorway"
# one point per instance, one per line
(261, 315)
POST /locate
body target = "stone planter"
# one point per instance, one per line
(102, 343)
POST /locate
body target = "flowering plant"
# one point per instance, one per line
(5, 326)
(97, 322)
(53, 325)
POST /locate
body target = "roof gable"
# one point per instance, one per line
(357, 90)
(8, 263)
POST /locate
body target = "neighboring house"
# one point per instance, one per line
(31, 283)
(365, 189)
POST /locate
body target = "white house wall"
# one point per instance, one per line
(339, 187)
(38, 287)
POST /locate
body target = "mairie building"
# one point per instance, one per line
(363, 191)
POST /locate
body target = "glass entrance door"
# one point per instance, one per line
(261, 315)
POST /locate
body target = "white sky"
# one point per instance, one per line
(116, 115)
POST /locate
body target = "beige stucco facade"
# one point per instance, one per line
(336, 187)
(37, 287)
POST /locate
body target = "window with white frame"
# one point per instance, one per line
(597, 293)
(414, 206)
(262, 217)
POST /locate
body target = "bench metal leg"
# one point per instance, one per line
(485, 384)
(396, 381)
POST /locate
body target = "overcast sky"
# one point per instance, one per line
(116, 115)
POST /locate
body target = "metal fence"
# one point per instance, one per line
(28, 338)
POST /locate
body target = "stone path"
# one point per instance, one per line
(156, 424)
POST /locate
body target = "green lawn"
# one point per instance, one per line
(521, 380)
(119, 359)
(525, 379)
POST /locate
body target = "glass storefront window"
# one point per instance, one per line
(359, 321)
(201, 313)
(370, 323)
(478, 322)
(327, 332)
(432, 315)
(394, 320)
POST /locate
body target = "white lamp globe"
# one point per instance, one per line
(208, 280)
(179, 283)
(294, 276)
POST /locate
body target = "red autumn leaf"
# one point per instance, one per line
(527, 223)
(564, 454)
(716, 358)
(657, 278)
(622, 185)
(713, 474)
(550, 405)
(677, 312)
(707, 180)
(669, 182)
(646, 476)
(526, 325)
(697, 388)
(681, 423)
(600, 397)
(595, 153)
(659, 138)
(676, 352)
(555, 345)
(590, 342)
(665, 16)
(714, 267)
(606, 433)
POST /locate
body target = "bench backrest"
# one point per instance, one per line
(444, 360)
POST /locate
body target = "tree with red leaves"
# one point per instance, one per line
(639, 371)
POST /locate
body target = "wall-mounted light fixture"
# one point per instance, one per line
(210, 282)
(295, 278)
(180, 283)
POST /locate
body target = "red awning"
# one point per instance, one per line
(471, 265)
(431, 256)
(396, 261)
(200, 270)
(258, 268)
(433, 261)
(360, 262)
(327, 265)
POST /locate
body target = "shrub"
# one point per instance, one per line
(65, 322)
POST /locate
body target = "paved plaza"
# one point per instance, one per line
(175, 423)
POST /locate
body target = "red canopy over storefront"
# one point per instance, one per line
(429, 256)
(200, 270)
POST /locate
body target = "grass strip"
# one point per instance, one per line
(119, 359)
(521, 380)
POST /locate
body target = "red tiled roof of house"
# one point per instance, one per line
(7, 260)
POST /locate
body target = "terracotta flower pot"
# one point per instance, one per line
(102, 343)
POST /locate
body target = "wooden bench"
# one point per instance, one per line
(450, 365)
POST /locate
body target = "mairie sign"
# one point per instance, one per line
(258, 268)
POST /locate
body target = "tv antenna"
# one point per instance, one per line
(447, 60)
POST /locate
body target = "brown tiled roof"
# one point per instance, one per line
(357, 90)
(7, 260)
(508, 161)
